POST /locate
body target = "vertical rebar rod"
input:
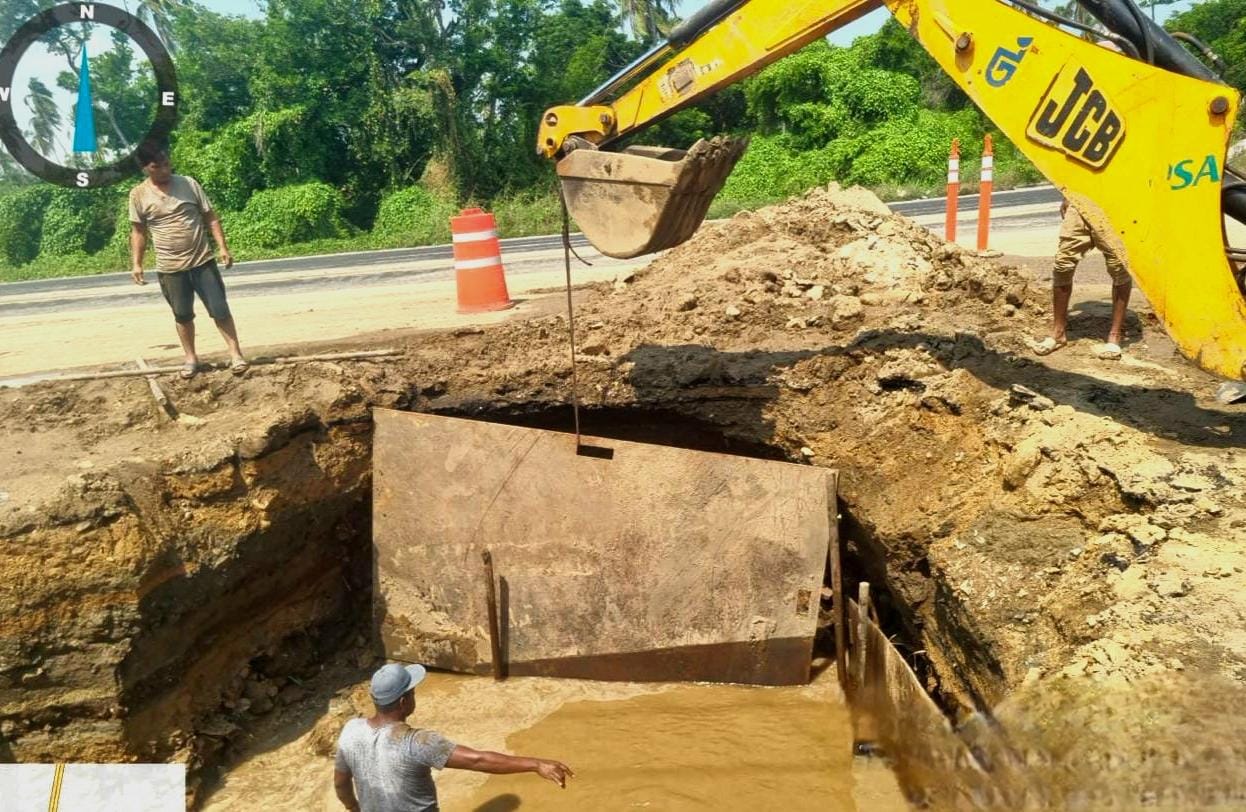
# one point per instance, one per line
(566, 255)
(491, 603)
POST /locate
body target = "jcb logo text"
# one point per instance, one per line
(1078, 119)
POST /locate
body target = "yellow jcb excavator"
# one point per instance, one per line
(1135, 138)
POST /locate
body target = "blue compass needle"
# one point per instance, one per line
(84, 121)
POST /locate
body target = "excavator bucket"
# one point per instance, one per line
(645, 199)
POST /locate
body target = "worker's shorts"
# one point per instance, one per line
(179, 291)
(1076, 238)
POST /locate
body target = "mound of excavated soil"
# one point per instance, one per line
(1061, 537)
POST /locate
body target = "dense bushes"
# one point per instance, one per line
(43, 220)
(773, 167)
(21, 222)
(288, 215)
(78, 221)
(263, 150)
(414, 216)
(531, 212)
(915, 148)
(827, 113)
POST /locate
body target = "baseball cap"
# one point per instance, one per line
(393, 680)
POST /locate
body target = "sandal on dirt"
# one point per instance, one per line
(1047, 346)
(239, 366)
(1108, 352)
(188, 371)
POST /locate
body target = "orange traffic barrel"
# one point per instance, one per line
(478, 273)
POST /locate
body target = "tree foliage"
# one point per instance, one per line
(830, 113)
(77, 221)
(1222, 25)
(21, 222)
(288, 215)
(45, 118)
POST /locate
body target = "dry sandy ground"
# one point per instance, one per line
(119, 334)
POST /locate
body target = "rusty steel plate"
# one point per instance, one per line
(640, 562)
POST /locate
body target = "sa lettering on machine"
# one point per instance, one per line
(1182, 174)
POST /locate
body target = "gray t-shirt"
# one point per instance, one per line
(175, 222)
(391, 765)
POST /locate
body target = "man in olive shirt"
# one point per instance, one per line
(177, 214)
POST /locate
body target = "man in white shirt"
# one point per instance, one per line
(382, 765)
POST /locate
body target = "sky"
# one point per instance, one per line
(40, 62)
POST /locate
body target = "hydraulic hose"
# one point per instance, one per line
(700, 20)
(1156, 45)
(1203, 48)
(1126, 46)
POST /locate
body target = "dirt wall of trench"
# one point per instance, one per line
(136, 592)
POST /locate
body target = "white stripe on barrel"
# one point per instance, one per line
(469, 264)
(475, 236)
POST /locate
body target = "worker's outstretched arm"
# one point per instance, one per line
(487, 761)
(345, 789)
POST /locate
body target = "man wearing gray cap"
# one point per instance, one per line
(382, 765)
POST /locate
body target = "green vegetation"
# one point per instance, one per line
(414, 216)
(21, 223)
(879, 114)
(341, 125)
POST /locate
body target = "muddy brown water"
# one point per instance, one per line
(632, 746)
(699, 747)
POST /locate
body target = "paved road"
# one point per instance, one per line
(357, 259)
(1033, 207)
(1000, 200)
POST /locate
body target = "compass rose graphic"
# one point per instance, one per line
(96, 167)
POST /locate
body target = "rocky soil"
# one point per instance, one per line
(1060, 538)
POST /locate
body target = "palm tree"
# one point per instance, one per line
(1074, 11)
(647, 18)
(10, 172)
(159, 15)
(46, 119)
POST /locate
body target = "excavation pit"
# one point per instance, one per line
(241, 640)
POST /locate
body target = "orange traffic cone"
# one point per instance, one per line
(478, 273)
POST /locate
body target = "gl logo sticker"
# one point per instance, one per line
(682, 77)
(1077, 118)
(1003, 65)
(1181, 175)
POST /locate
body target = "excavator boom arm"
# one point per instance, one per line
(1137, 148)
(727, 41)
